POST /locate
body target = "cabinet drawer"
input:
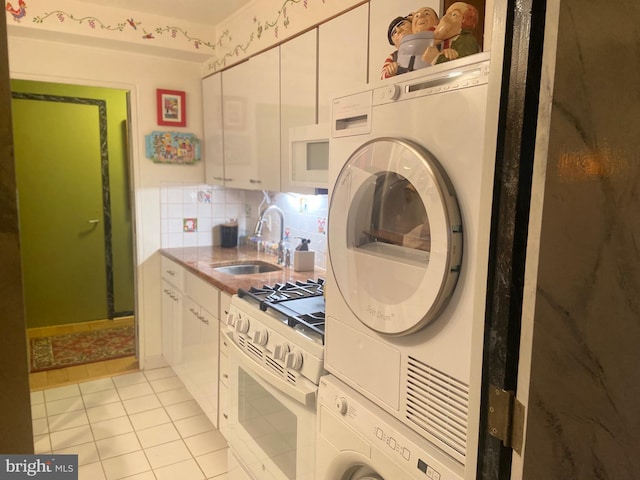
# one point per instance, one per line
(172, 273)
(203, 293)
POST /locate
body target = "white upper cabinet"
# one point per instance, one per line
(298, 96)
(212, 115)
(251, 123)
(342, 56)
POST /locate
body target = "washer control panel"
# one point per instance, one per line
(420, 459)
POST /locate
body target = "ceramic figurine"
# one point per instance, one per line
(454, 34)
(398, 28)
(413, 46)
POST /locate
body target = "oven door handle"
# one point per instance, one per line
(303, 392)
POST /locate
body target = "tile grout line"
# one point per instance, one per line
(147, 381)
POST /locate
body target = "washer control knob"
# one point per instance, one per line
(242, 325)
(388, 93)
(261, 337)
(280, 351)
(293, 360)
(342, 406)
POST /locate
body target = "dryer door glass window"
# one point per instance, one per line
(395, 235)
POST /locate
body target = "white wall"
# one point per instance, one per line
(140, 74)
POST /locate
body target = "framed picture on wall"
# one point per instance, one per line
(172, 110)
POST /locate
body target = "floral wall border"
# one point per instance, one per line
(281, 18)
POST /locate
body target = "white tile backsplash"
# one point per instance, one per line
(305, 215)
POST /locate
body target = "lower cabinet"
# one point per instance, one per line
(225, 302)
(172, 296)
(190, 337)
(198, 368)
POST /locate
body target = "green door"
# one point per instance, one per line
(62, 234)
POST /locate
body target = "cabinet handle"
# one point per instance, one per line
(218, 178)
(251, 180)
(171, 272)
(224, 375)
(225, 416)
(228, 179)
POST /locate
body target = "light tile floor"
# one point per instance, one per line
(138, 426)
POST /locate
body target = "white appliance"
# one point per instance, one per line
(408, 237)
(309, 155)
(359, 441)
(275, 363)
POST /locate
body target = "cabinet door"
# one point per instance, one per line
(298, 93)
(342, 65)
(206, 374)
(212, 114)
(171, 323)
(190, 333)
(251, 123)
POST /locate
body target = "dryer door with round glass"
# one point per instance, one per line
(395, 235)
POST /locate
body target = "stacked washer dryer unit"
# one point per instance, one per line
(408, 237)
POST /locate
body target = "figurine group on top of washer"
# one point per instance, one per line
(422, 39)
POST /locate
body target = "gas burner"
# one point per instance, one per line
(301, 303)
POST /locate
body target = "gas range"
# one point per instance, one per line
(282, 328)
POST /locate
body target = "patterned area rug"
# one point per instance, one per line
(79, 348)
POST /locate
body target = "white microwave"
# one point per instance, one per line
(309, 156)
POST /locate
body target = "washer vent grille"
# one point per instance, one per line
(438, 405)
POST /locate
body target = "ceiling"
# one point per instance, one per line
(208, 12)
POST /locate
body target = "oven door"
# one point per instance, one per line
(271, 425)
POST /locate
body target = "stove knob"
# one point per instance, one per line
(242, 325)
(280, 351)
(293, 360)
(342, 406)
(231, 320)
(261, 337)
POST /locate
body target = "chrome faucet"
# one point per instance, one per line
(260, 223)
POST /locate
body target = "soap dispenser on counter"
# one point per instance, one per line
(303, 258)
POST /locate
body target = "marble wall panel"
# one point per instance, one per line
(583, 419)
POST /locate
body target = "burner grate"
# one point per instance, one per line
(302, 303)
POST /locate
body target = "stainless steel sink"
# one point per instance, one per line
(247, 268)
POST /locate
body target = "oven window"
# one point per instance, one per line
(270, 424)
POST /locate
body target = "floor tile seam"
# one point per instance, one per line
(144, 450)
(182, 437)
(104, 472)
(121, 454)
(86, 411)
(113, 385)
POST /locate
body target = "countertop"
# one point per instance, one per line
(202, 260)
